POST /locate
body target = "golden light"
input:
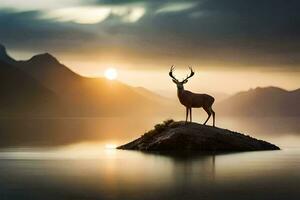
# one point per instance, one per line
(110, 146)
(111, 73)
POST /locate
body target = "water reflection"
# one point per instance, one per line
(90, 171)
(116, 174)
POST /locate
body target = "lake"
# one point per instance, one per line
(91, 168)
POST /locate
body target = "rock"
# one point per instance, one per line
(181, 136)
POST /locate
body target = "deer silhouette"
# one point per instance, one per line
(192, 100)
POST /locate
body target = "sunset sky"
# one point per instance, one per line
(233, 45)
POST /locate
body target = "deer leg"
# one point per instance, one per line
(190, 114)
(213, 114)
(186, 114)
(209, 114)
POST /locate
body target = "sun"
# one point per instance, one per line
(111, 73)
(110, 146)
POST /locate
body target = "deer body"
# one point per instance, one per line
(193, 100)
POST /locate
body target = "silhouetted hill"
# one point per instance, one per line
(87, 96)
(50, 72)
(20, 93)
(181, 136)
(268, 101)
(5, 57)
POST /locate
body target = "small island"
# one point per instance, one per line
(180, 136)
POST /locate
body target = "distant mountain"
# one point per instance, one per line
(20, 93)
(4, 57)
(154, 96)
(268, 101)
(42, 85)
(84, 96)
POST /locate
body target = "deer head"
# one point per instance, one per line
(180, 83)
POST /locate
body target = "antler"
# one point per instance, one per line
(189, 76)
(171, 73)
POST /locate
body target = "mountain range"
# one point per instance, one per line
(43, 86)
(263, 102)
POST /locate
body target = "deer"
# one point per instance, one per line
(193, 100)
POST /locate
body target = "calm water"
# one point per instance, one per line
(91, 171)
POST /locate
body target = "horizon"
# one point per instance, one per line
(170, 90)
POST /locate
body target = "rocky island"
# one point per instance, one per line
(181, 136)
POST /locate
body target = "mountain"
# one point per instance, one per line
(44, 85)
(88, 96)
(20, 93)
(267, 101)
(154, 96)
(84, 96)
(4, 56)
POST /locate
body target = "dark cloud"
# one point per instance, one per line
(118, 1)
(122, 2)
(214, 32)
(247, 33)
(25, 31)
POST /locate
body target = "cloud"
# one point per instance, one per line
(26, 31)
(96, 14)
(218, 33)
(30, 5)
(176, 7)
(132, 15)
(81, 15)
(78, 11)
